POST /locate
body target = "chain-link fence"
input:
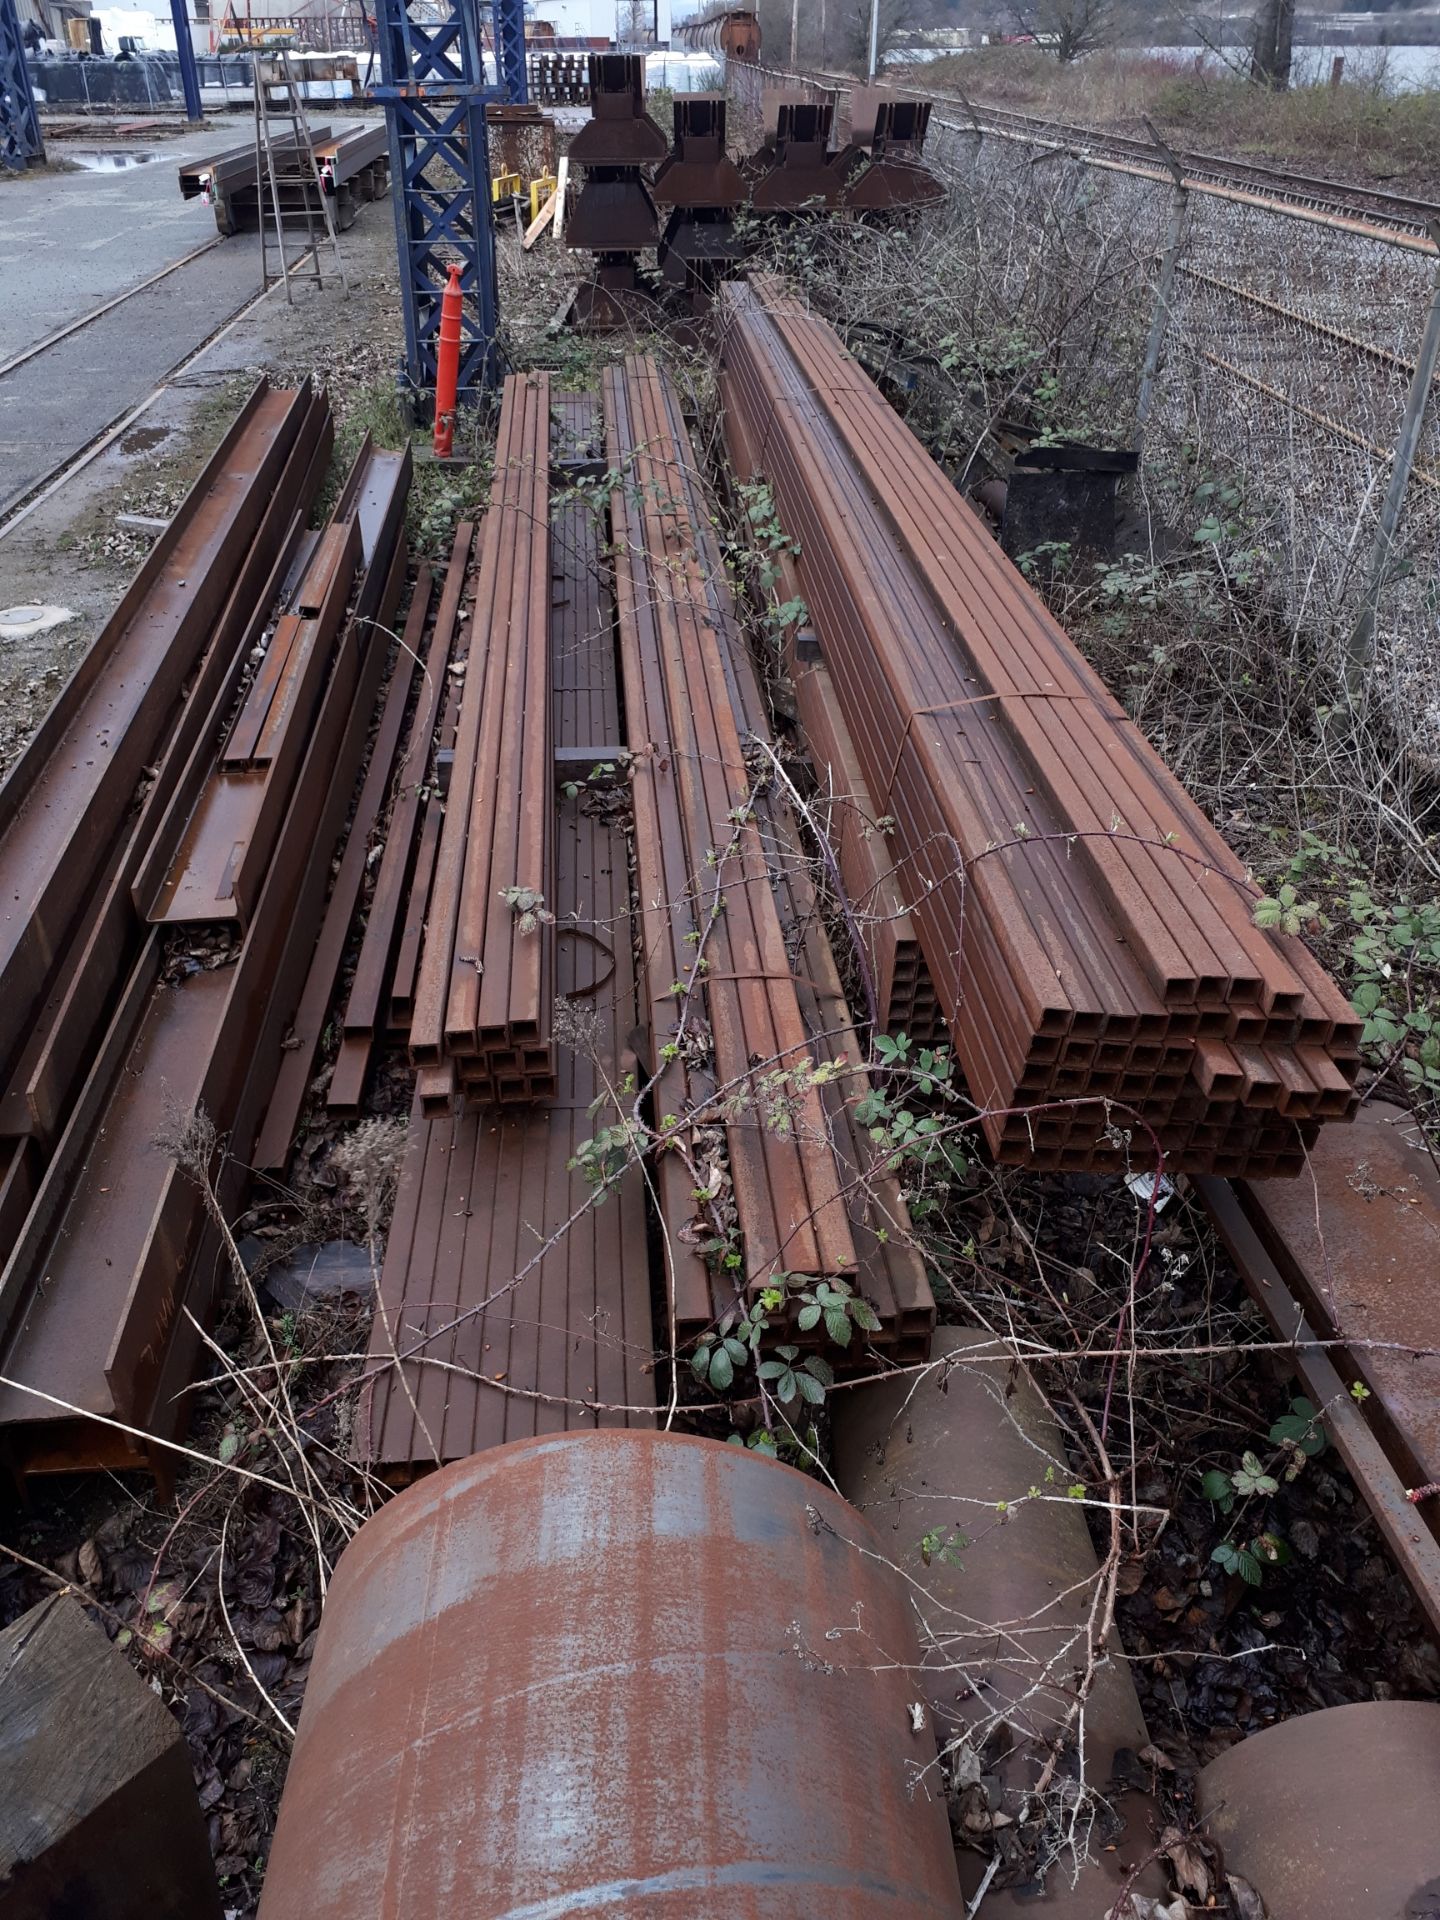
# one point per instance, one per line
(1289, 342)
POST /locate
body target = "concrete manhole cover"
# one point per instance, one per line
(18, 623)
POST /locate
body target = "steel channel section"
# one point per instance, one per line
(105, 1337)
(292, 1082)
(889, 1273)
(362, 1014)
(1365, 1448)
(265, 985)
(107, 938)
(225, 853)
(464, 1642)
(434, 94)
(1027, 735)
(405, 978)
(66, 799)
(787, 1190)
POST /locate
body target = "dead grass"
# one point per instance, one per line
(1357, 130)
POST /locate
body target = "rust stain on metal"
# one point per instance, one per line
(613, 1674)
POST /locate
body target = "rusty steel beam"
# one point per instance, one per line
(787, 1190)
(525, 1654)
(292, 1082)
(1090, 936)
(485, 991)
(518, 1326)
(68, 795)
(1385, 1452)
(117, 1240)
(372, 967)
(225, 852)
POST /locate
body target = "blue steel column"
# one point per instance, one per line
(20, 141)
(185, 47)
(434, 93)
(510, 51)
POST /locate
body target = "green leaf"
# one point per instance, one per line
(771, 1369)
(821, 1369)
(722, 1369)
(1216, 1485)
(810, 1388)
(864, 1315)
(808, 1317)
(837, 1325)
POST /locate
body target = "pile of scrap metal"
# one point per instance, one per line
(796, 173)
(1093, 942)
(353, 166)
(511, 1303)
(165, 853)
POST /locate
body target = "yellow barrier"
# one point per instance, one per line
(506, 186)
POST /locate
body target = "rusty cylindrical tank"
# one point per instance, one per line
(617, 1673)
(1004, 1601)
(733, 33)
(1331, 1816)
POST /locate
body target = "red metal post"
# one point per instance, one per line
(447, 373)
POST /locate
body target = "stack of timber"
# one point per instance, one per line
(1090, 936)
(485, 991)
(173, 768)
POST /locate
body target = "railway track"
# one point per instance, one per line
(1401, 213)
(1340, 199)
(39, 486)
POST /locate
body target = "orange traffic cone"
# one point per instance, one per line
(447, 367)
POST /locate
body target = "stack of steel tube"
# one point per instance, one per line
(1092, 939)
(485, 991)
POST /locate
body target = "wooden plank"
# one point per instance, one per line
(98, 1810)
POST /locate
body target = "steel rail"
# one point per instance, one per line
(105, 436)
(109, 306)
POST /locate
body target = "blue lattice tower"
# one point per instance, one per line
(20, 141)
(433, 88)
(510, 51)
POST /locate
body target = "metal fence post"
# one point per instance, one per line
(20, 141)
(185, 53)
(1165, 288)
(1361, 648)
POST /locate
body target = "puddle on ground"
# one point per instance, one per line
(110, 160)
(142, 439)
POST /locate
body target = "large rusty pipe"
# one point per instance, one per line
(1006, 1589)
(615, 1673)
(1331, 1816)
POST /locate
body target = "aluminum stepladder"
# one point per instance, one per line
(288, 178)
